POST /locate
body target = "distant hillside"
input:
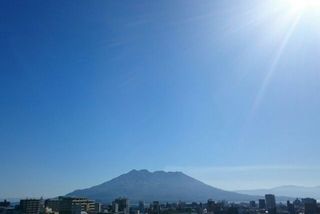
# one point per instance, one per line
(159, 185)
(289, 190)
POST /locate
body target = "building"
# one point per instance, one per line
(6, 208)
(262, 204)
(212, 206)
(155, 207)
(53, 204)
(232, 210)
(5, 203)
(141, 206)
(270, 203)
(310, 206)
(73, 205)
(31, 206)
(97, 208)
(121, 205)
(252, 204)
(290, 208)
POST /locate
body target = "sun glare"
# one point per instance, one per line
(302, 5)
(289, 14)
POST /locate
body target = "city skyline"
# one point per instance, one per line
(224, 91)
(121, 205)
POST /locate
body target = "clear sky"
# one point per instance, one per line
(226, 91)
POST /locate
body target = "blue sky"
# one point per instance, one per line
(222, 90)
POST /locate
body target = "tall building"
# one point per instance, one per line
(141, 206)
(121, 205)
(290, 207)
(310, 206)
(31, 206)
(270, 203)
(156, 207)
(262, 204)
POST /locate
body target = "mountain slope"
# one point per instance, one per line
(159, 185)
(288, 190)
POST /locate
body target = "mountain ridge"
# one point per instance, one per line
(294, 191)
(158, 185)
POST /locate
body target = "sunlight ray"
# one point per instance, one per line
(274, 64)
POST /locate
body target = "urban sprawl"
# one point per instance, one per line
(77, 205)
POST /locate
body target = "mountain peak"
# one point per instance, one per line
(158, 172)
(139, 171)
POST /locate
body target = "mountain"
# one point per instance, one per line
(161, 186)
(288, 190)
